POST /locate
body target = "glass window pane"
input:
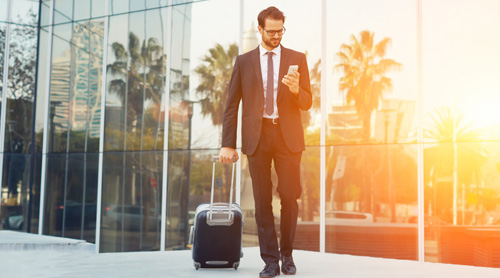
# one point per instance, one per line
(461, 127)
(2, 53)
(71, 196)
(466, 90)
(23, 11)
(131, 201)
(3, 11)
(137, 5)
(371, 211)
(60, 84)
(180, 103)
(94, 114)
(220, 49)
(155, 3)
(82, 9)
(45, 14)
(118, 6)
(84, 105)
(41, 92)
(98, 7)
(15, 192)
(63, 11)
(154, 75)
(21, 87)
(135, 93)
(371, 108)
(461, 205)
(117, 72)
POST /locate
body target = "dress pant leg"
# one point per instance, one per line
(260, 171)
(287, 165)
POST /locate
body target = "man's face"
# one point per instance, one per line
(270, 42)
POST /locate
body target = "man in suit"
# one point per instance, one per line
(271, 131)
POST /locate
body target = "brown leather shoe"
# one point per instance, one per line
(270, 270)
(288, 266)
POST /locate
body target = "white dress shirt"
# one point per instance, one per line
(276, 68)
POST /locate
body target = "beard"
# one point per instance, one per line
(271, 42)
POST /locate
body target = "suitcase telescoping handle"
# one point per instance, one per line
(215, 158)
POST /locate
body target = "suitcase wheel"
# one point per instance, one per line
(236, 265)
(197, 265)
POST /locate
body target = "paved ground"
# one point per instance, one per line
(80, 262)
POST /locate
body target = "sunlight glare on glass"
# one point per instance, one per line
(482, 111)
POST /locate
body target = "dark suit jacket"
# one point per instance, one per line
(246, 85)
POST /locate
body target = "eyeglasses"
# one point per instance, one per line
(274, 32)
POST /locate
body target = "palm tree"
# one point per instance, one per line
(215, 74)
(139, 75)
(462, 161)
(364, 67)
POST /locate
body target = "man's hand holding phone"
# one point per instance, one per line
(292, 79)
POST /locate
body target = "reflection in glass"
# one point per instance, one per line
(41, 89)
(215, 74)
(22, 10)
(364, 78)
(180, 105)
(2, 53)
(211, 61)
(307, 233)
(60, 85)
(469, 85)
(118, 6)
(82, 9)
(136, 82)
(461, 198)
(71, 196)
(131, 219)
(3, 11)
(75, 110)
(137, 5)
(16, 193)
(371, 201)
(63, 11)
(372, 92)
(98, 7)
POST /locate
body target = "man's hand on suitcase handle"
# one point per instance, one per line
(228, 155)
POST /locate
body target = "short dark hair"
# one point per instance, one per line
(271, 13)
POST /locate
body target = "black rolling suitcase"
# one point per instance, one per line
(217, 231)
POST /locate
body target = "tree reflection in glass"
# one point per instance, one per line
(364, 79)
(448, 161)
(136, 83)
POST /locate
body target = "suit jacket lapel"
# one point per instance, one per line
(256, 68)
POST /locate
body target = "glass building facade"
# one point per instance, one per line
(111, 112)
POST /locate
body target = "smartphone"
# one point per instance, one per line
(292, 68)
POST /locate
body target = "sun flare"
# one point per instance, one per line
(482, 112)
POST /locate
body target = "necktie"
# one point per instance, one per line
(270, 84)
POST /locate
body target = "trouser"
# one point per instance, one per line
(272, 147)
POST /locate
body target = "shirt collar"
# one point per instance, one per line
(276, 50)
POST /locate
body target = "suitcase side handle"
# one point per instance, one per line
(215, 158)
